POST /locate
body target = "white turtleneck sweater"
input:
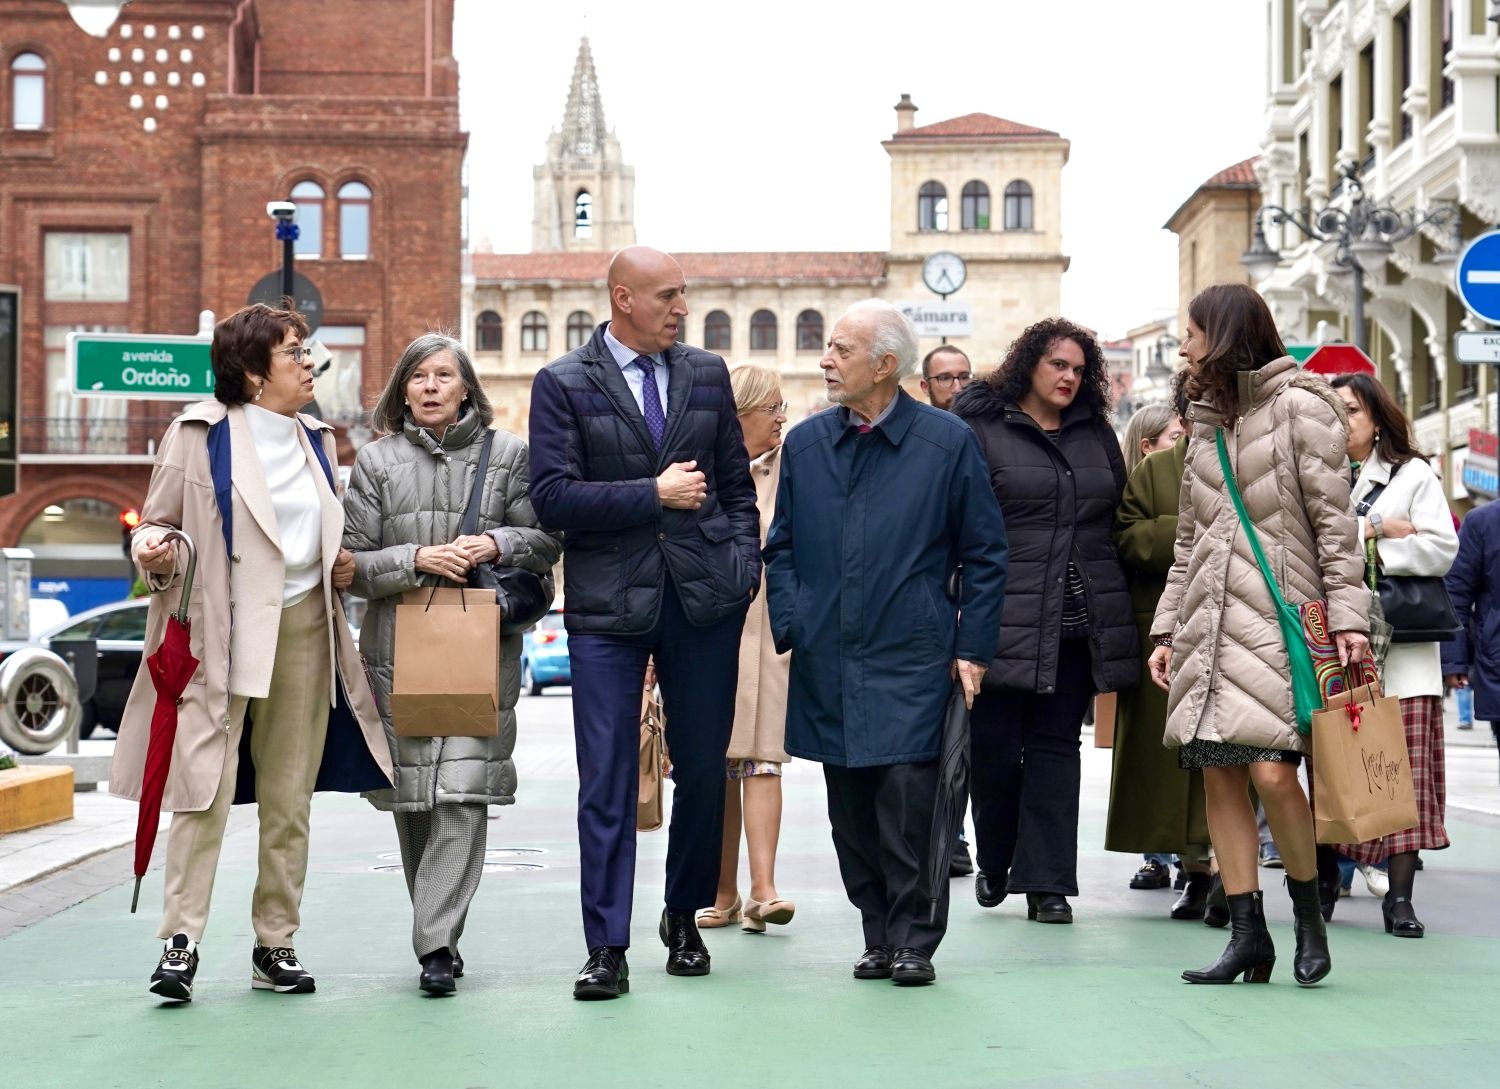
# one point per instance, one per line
(294, 497)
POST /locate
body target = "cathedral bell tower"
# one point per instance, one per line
(585, 194)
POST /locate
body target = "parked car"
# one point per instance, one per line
(544, 655)
(120, 631)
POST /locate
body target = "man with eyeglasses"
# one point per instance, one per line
(945, 371)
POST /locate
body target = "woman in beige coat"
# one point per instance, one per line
(756, 749)
(279, 706)
(1219, 650)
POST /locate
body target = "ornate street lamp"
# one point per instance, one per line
(1159, 369)
(1363, 234)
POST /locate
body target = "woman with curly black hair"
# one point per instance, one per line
(1067, 630)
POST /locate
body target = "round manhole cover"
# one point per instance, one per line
(512, 852)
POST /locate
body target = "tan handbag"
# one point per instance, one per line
(648, 805)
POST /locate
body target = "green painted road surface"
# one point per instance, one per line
(1098, 1003)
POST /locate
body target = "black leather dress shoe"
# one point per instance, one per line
(1048, 907)
(458, 965)
(875, 964)
(989, 890)
(606, 975)
(912, 968)
(686, 953)
(437, 973)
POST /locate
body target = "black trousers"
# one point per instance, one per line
(882, 827)
(1025, 778)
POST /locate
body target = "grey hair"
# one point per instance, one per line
(390, 410)
(891, 334)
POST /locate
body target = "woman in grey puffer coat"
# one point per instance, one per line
(403, 512)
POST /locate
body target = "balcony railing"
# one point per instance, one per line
(133, 436)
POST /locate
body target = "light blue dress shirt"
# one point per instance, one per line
(633, 377)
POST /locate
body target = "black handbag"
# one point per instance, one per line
(524, 595)
(1417, 607)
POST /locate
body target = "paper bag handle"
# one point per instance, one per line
(462, 601)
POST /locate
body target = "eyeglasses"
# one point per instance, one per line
(775, 408)
(298, 352)
(951, 379)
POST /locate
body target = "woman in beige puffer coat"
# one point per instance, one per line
(1220, 652)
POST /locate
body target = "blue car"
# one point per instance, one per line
(544, 655)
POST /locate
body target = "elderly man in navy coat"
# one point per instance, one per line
(881, 498)
(637, 456)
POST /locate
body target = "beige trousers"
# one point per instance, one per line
(286, 747)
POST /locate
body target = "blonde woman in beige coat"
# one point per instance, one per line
(1219, 651)
(279, 706)
(752, 796)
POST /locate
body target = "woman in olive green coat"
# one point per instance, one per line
(1154, 806)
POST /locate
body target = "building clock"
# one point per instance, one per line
(944, 272)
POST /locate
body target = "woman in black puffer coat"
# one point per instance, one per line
(1067, 631)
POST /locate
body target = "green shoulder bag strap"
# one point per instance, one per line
(1306, 697)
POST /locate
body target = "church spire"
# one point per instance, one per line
(583, 122)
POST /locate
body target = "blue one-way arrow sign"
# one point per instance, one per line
(1478, 276)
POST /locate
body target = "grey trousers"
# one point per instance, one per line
(442, 854)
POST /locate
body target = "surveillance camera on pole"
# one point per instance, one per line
(284, 212)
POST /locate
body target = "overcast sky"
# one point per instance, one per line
(758, 126)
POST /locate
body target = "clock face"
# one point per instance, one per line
(944, 273)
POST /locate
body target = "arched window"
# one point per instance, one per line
(932, 207)
(28, 91)
(763, 331)
(716, 331)
(809, 331)
(1018, 206)
(533, 332)
(583, 215)
(489, 332)
(308, 197)
(580, 328)
(976, 206)
(354, 221)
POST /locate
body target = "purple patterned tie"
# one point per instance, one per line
(656, 419)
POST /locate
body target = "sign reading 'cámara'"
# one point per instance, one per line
(160, 366)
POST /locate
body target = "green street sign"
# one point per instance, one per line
(158, 366)
(1300, 352)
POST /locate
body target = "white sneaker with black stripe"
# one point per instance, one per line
(173, 978)
(278, 970)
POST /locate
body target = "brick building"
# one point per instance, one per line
(139, 145)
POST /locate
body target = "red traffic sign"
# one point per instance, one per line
(1332, 359)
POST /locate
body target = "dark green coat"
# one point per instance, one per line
(1153, 804)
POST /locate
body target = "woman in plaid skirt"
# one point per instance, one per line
(1403, 512)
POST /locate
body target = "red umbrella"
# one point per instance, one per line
(171, 666)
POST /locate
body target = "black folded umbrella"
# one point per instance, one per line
(952, 791)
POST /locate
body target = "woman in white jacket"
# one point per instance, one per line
(1399, 499)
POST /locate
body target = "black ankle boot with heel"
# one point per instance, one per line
(1193, 903)
(1312, 961)
(1249, 953)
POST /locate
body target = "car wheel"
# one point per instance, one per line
(88, 720)
(529, 682)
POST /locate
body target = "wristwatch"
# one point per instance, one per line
(1375, 521)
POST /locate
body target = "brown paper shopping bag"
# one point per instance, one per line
(649, 799)
(1362, 788)
(447, 664)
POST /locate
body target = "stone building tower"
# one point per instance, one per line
(585, 194)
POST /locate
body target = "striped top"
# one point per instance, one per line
(1075, 607)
